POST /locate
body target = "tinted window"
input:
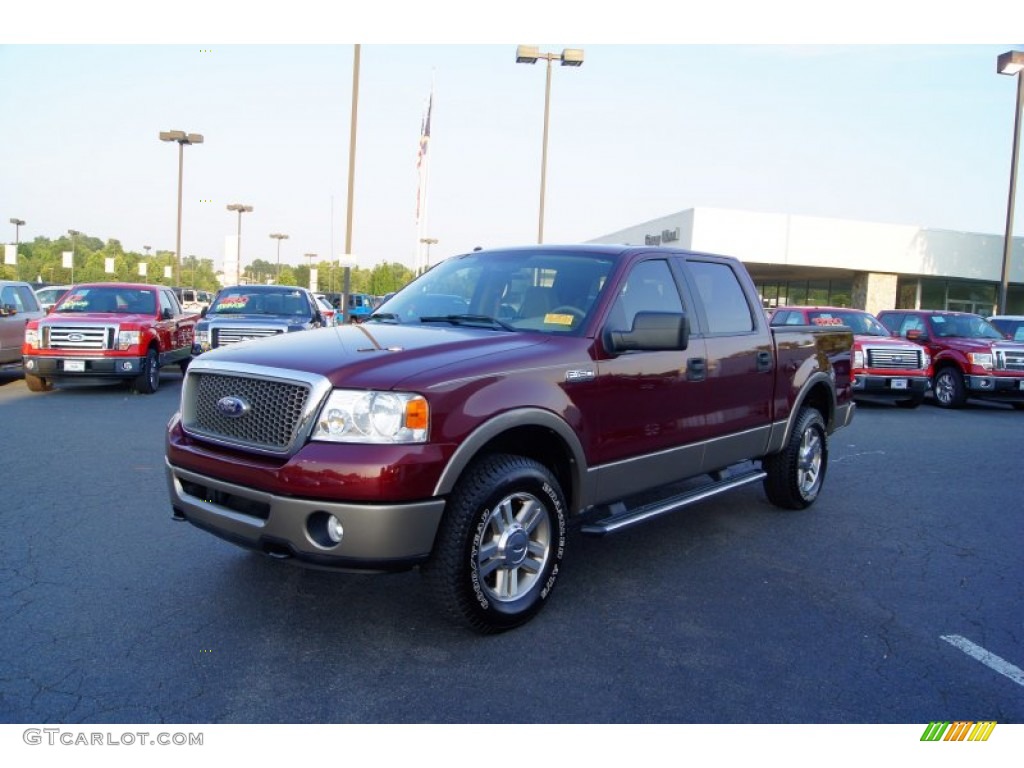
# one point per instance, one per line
(720, 291)
(649, 288)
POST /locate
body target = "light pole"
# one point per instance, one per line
(570, 57)
(279, 237)
(428, 241)
(238, 240)
(18, 223)
(182, 139)
(74, 233)
(1011, 63)
(309, 266)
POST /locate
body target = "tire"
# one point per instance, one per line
(183, 365)
(147, 382)
(37, 383)
(500, 544)
(948, 388)
(911, 402)
(796, 474)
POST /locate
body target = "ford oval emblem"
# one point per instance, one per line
(75, 337)
(232, 407)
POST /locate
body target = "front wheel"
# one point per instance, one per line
(795, 474)
(500, 545)
(149, 380)
(37, 383)
(949, 388)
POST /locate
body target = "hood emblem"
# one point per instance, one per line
(75, 337)
(233, 407)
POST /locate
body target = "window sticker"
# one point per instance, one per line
(556, 319)
(234, 302)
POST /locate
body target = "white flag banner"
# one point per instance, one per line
(142, 269)
(108, 266)
(10, 254)
(167, 273)
(69, 259)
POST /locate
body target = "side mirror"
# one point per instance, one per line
(203, 311)
(916, 334)
(651, 331)
(165, 314)
(8, 310)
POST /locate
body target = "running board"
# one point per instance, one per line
(620, 516)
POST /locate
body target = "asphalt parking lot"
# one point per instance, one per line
(728, 612)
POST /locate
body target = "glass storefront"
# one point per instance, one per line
(819, 293)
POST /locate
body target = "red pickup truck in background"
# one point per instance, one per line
(100, 331)
(971, 357)
(883, 366)
(498, 399)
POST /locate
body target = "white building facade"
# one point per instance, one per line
(808, 260)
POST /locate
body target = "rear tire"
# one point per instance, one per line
(949, 389)
(147, 382)
(795, 474)
(499, 548)
(37, 383)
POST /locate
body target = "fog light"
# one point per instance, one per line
(30, 365)
(334, 529)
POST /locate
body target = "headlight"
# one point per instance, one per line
(127, 339)
(354, 416)
(32, 337)
(858, 358)
(202, 337)
(981, 359)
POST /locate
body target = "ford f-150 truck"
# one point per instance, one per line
(100, 331)
(244, 312)
(883, 366)
(494, 402)
(971, 357)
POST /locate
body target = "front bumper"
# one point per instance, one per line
(995, 387)
(377, 537)
(89, 367)
(890, 386)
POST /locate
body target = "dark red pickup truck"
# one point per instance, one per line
(103, 331)
(497, 400)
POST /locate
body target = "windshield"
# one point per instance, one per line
(964, 327)
(530, 290)
(122, 300)
(860, 323)
(259, 301)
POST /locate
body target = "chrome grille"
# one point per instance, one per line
(271, 423)
(222, 336)
(1010, 359)
(78, 336)
(902, 359)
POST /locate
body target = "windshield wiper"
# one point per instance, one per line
(384, 316)
(470, 320)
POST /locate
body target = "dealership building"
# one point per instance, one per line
(809, 260)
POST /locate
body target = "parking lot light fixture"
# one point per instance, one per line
(182, 138)
(569, 57)
(1011, 63)
(279, 237)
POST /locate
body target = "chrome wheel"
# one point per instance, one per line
(809, 462)
(515, 546)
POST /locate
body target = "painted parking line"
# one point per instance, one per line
(990, 660)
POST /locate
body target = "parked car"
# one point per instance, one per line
(18, 306)
(327, 309)
(360, 305)
(970, 356)
(48, 296)
(193, 299)
(1012, 326)
(467, 443)
(883, 366)
(246, 312)
(102, 331)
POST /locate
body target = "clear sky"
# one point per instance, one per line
(665, 114)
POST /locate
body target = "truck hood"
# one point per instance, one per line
(891, 342)
(979, 345)
(95, 318)
(248, 321)
(375, 355)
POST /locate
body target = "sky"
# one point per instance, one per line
(894, 121)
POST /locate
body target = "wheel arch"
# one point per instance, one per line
(531, 432)
(819, 393)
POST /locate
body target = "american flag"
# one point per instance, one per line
(424, 134)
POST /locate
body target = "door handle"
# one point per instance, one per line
(696, 369)
(764, 361)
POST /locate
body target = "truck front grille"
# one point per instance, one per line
(272, 415)
(1010, 359)
(83, 337)
(899, 359)
(222, 336)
